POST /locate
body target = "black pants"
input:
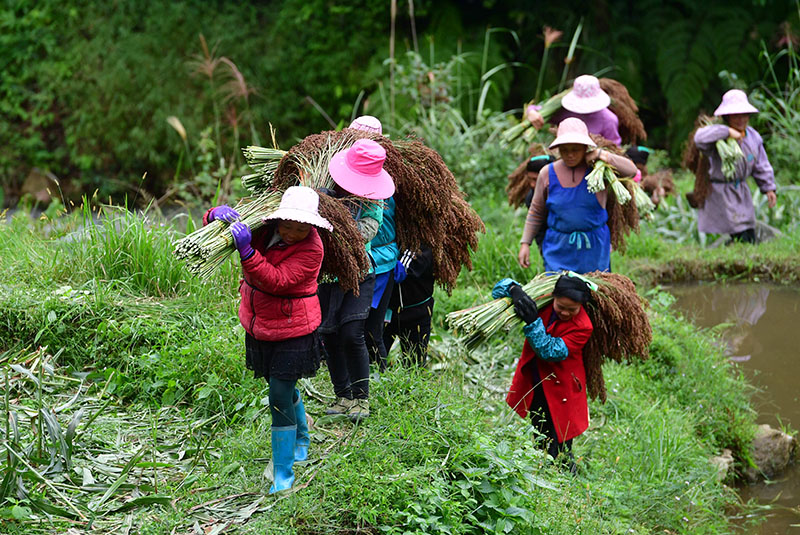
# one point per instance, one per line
(374, 327)
(348, 360)
(745, 236)
(413, 327)
(543, 422)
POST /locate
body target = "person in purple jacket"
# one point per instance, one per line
(729, 207)
(588, 102)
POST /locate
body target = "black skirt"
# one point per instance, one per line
(288, 360)
(340, 307)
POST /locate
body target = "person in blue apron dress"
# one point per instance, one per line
(577, 236)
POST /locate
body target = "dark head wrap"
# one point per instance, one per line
(638, 154)
(573, 288)
(536, 163)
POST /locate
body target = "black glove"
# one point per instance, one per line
(524, 306)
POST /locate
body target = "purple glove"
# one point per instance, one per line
(241, 239)
(223, 213)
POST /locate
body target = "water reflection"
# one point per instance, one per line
(742, 307)
(758, 325)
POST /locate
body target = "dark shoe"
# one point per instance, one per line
(342, 406)
(359, 411)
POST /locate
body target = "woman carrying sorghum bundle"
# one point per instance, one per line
(384, 253)
(577, 236)
(588, 102)
(356, 171)
(728, 209)
(550, 379)
(280, 313)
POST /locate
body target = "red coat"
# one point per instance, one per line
(279, 288)
(564, 383)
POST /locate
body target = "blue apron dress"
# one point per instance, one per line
(577, 236)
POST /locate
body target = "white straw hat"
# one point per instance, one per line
(735, 102)
(586, 96)
(301, 204)
(572, 130)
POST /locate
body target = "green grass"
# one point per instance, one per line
(441, 451)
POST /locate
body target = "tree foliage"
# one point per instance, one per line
(87, 86)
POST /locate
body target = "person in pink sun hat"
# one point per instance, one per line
(280, 313)
(367, 123)
(728, 209)
(588, 102)
(384, 253)
(355, 171)
(577, 236)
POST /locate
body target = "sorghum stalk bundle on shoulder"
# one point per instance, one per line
(621, 332)
(208, 247)
(429, 205)
(518, 184)
(695, 161)
(631, 128)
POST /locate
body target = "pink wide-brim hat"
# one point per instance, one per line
(359, 170)
(367, 123)
(733, 102)
(572, 130)
(301, 204)
(586, 96)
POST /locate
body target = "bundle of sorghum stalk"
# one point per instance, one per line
(621, 327)
(631, 128)
(603, 173)
(518, 184)
(431, 209)
(697, 162)
(729, 154)
(520, 135)
(264, 162)
(208, 247)
(429, 206)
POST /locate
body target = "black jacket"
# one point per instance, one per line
(417, 288)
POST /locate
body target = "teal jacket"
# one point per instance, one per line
(384, 249)
(371, 211)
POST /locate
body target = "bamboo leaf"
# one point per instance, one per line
(119, 481)
(142, 501)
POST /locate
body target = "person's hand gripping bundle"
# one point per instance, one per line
(524, 306)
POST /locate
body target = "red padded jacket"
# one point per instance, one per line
(564, 383)
(279, 288)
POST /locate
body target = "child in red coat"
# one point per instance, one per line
(280, 313)
(550, 380)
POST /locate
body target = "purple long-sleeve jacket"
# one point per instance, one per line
(603, 122)
(729, 206)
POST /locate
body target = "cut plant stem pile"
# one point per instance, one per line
(621, 327)
(71, 454)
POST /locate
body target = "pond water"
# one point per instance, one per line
(762, 323)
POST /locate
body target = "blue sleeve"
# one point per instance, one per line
(501, 288)
(547, 347)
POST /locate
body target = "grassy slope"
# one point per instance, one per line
(441, 453)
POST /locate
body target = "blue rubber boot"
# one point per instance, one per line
(302, 440)
(282, 457)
